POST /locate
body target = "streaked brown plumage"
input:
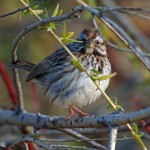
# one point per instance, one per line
(65, 85)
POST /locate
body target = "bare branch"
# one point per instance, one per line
(127, 40)
(19, 93)
(135, 14)
(77, 140)
(112, 138)
(118, 8)
(43, 143)
(43, 121)
(108, 22)
(123, 49)
(83, 138)
(19, 10)
(129, 25)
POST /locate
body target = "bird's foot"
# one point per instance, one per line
(74, 111)
(79, 112)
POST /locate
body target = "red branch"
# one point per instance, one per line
(146, 125)
(35, 100)
(8, 84)
(31, 146)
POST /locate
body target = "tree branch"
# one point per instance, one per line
(19, 9)
(83, 138)
(126, 22)
(43, 121)
(108, 22)
(112, 138)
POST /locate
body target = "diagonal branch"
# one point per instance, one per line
(126, 22)
(127, 40)
(82, 137)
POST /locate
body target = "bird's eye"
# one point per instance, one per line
(97, 42)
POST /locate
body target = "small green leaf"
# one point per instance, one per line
(77, 64)
(55, 10)
(65, 40)
(69, 35)
(46, 13)
(91, 3)
(118, 107)
(105, 77)
(69, 40)
(95, 72)
(35, 6)
(73, 40)
(64, 30)
(27, 2)
(25, 12)
(38, 12)
(52, 26)
(59, 12)
(135, 128)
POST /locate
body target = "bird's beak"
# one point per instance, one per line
(89, 43)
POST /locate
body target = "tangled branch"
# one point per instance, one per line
(112, 25)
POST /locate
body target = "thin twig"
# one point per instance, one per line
(19, 9)
(95, 23)
(65, 147)
(118, 8)
(94, 131)
(127, 40)
(30, 139)
(113, 45)
(135, 14)
(44, 144)
(82, 137)
(17, 84)
(129, 25)
(82, 140)
(123, 49)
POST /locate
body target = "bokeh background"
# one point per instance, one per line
(131, 86)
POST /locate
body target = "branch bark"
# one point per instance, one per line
(43, 121)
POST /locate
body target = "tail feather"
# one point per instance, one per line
(24, 65)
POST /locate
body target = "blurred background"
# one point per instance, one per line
(130, 88)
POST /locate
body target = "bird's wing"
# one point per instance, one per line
(57, 58)
(47, 63)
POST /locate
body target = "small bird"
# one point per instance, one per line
(64, 84)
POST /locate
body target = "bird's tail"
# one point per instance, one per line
(21, 64)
